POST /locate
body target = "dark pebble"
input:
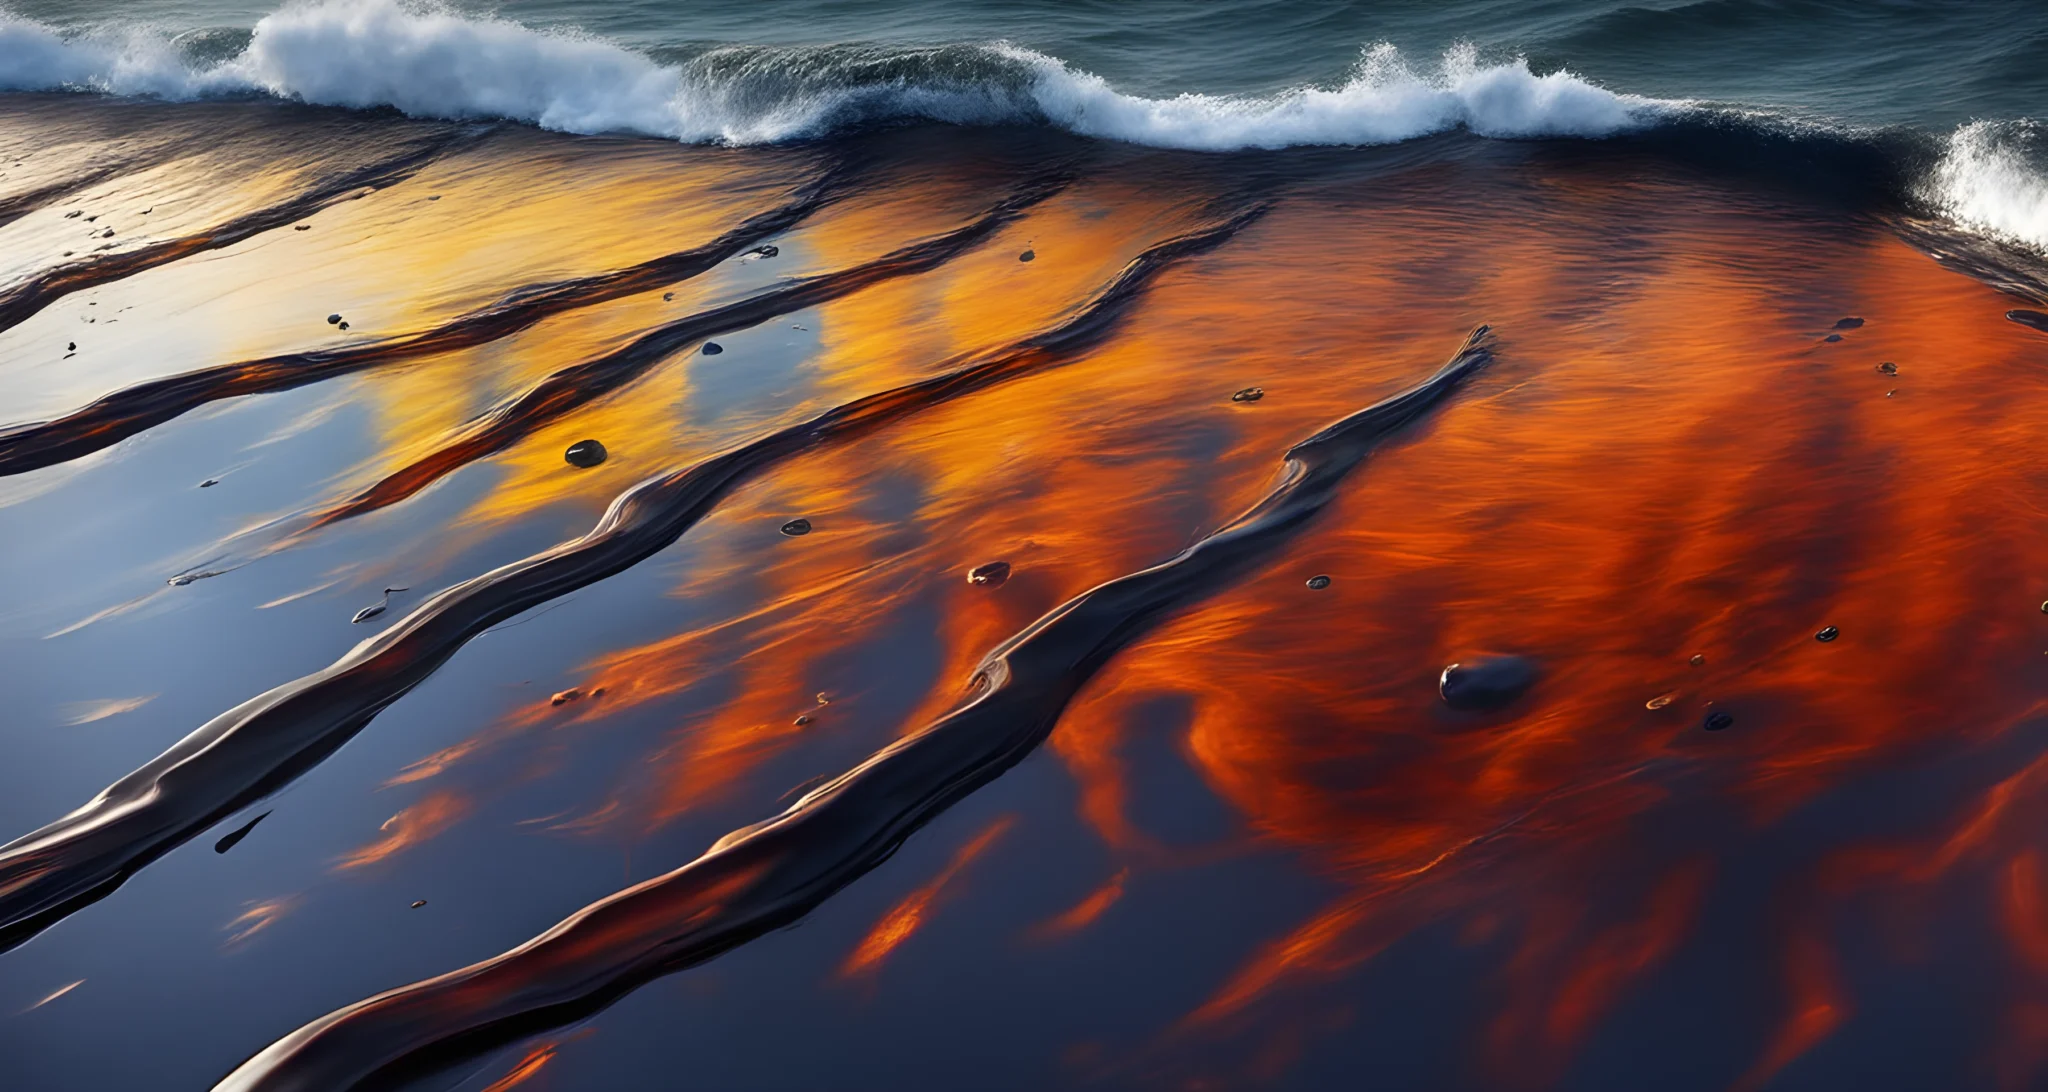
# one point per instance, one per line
(1698, 660)
(991, 575)
(1488, 682)
(1827, 634)
(1888, 368)
(1249, 394)
(433, 197)
(796, 528)
(564, 697)
(209, 483)
(303, 227)
(802, 719)
(1718, 721)
(107, 234)
(1832, 338)
(72, 215)
(333, 319)
(666, 296)
(1848, 324)
(72, 347)
(1027, 256)
(1318, 582)
(2024, 317)
(417, 903)
(712, 348)
(2044, 608)
(766, 251)
(585, 454)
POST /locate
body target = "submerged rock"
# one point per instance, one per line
(1487, 682)
(1028, 255)
(712, 348)
(1698, 659)
(1827, 633)
(1849, 323)
(1831, 338)
(797, 528)
(334, 319)
(1319, 581)
(1888, 368)
(1249, 394)
(1717, 721)
(991, 575)
(585, 454)
(2025, 317)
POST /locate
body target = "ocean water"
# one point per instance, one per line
(1058, 459)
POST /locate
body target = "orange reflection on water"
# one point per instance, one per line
(416, 823)
(1667, 461)
(916, 908)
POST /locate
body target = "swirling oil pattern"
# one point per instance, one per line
(868, 545)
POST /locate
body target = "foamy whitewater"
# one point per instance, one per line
(434, 62)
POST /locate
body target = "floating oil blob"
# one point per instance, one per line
(712, 348)
(1888, 368)
(1827, 633)
(1832, 338)
(1849, 323)
(564, 697)
(1318, 582)
(803, 719)
(1249, 394)
(797, 528)
(1486, 682)
(1028, 255)
(991, 575)
(2025, 317)
(585, 454)
(235, 836)
(1659, 702)
(1718, 721)
(1699, 659)
(334, 319)
(375, 609)
(417, 903)
(766, 250)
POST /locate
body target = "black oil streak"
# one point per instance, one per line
(143, 406)
(266, 742)
(768, 876)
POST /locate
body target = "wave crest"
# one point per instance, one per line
(434, 62)
(1989, 179)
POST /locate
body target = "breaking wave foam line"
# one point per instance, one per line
(433, 62)
(1987, 180)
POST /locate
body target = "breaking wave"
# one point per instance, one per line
(433, 62)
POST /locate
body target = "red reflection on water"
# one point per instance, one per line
(916, 908)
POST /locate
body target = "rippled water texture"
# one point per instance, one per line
(1084, 821)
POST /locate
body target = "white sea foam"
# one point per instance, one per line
(1986, 180)
(433, 62)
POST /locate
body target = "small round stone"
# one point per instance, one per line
(803, 719)
(1318, 582)
(1249, 394)
(1888, 368)
(1027, 255)
(1827, 634)
(797, 528)
(585, 454)
(1718, 721)
(344, 326)
(1831, 338)
(712, 348)
(1849, 324)
(991, 575)
(1484, 683)
(333, 319)
(417, 903)
(1698, 660)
